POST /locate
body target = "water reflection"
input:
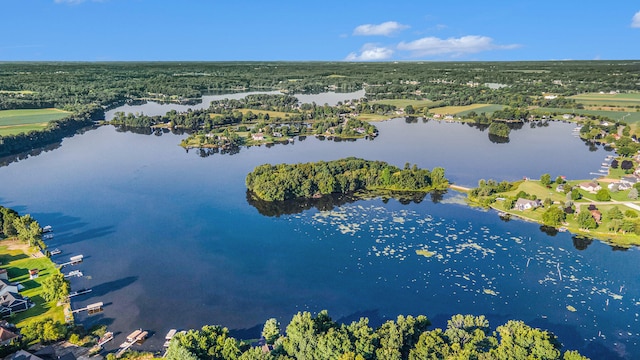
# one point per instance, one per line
(331, 201)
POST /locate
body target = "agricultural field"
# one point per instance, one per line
(464, 110)
(626, 116)
(18, 121)
(630, 99)
(402, 103)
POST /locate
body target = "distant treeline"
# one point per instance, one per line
(55, 131)
(321, 338)
(282, 182)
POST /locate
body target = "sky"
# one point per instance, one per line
(327, 30)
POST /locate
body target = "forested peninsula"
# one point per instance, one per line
(315, 179)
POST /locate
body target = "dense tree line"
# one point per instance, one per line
(55, 131)
(407, 337)
(281, 182)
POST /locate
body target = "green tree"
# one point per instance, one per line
(586, 221)
(614, 225)
(55, 287)
(553, 216)
(633, 194)
(409, 110)
(614, 213)
(631, 214)
(271, 330)
(545, 179)
(603, 195)
(499, 129)
(575, 194)
(559, 180)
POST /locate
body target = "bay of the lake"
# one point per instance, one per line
(170, 240)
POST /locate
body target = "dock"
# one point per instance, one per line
(91, 308)
(79, 292)
(136, 337)
(169, 336)
(74, 260)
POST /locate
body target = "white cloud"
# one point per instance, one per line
(635, 21)
(371, 52)
(470, 44)
(385, 29)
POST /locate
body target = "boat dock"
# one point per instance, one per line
(136, 337)
(91, 308)
(74, 260)
(169, 336)
(79, 292)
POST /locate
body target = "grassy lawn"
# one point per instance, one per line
(374, 117)
(534, 187)
(25, 92)
(463, 110)
(18, 264)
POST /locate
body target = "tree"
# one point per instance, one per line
(499, 129)
(614, 164)
(603, 195)
(626, 165)
(628, 226)
(559, 180)
(271, 330)
(545, 179)
(409, 110)
(553, 216)
(631, 214)
(615, 213)
(633, 194)
(586, 221)
(575, 194)
(614, 225)
(55, 287)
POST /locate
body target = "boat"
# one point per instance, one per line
(55, 252)
(108, 336)
(47, 229)
(562, 229)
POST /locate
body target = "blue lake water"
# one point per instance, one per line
(171, 242)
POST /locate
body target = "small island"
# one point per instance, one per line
(316, 179)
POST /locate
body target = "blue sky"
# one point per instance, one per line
(211, 30)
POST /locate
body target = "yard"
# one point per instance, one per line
(18, 260)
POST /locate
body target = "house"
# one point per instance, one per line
(590, 186)
(12, 303)
(7, 335)
(6, 287)
(525, 204)
(560, 188)
(257, 136)
(277, 134)
(33, 273)
(3, 274)
(629, 179)
(567, 116)
(24, 355)
(597, 216)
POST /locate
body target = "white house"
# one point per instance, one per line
(525, 204)
(590, 186)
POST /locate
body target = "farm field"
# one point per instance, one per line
(21, 121)
(628, 117)
(402, 103)
(626, 101)
(464, 110)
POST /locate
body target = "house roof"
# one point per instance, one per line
(523, 201)
(23, 355)
(9, 298)
(6, 335)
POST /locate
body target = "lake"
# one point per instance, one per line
(170, 240)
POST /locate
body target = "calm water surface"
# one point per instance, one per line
(171, 242)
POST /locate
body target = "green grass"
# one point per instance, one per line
(596, 97)
(14, 122)
(534, 187)
(488, 109)
(17, 129)
(18, 265)
(629, 117)
(30, 116)
(373, 117)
